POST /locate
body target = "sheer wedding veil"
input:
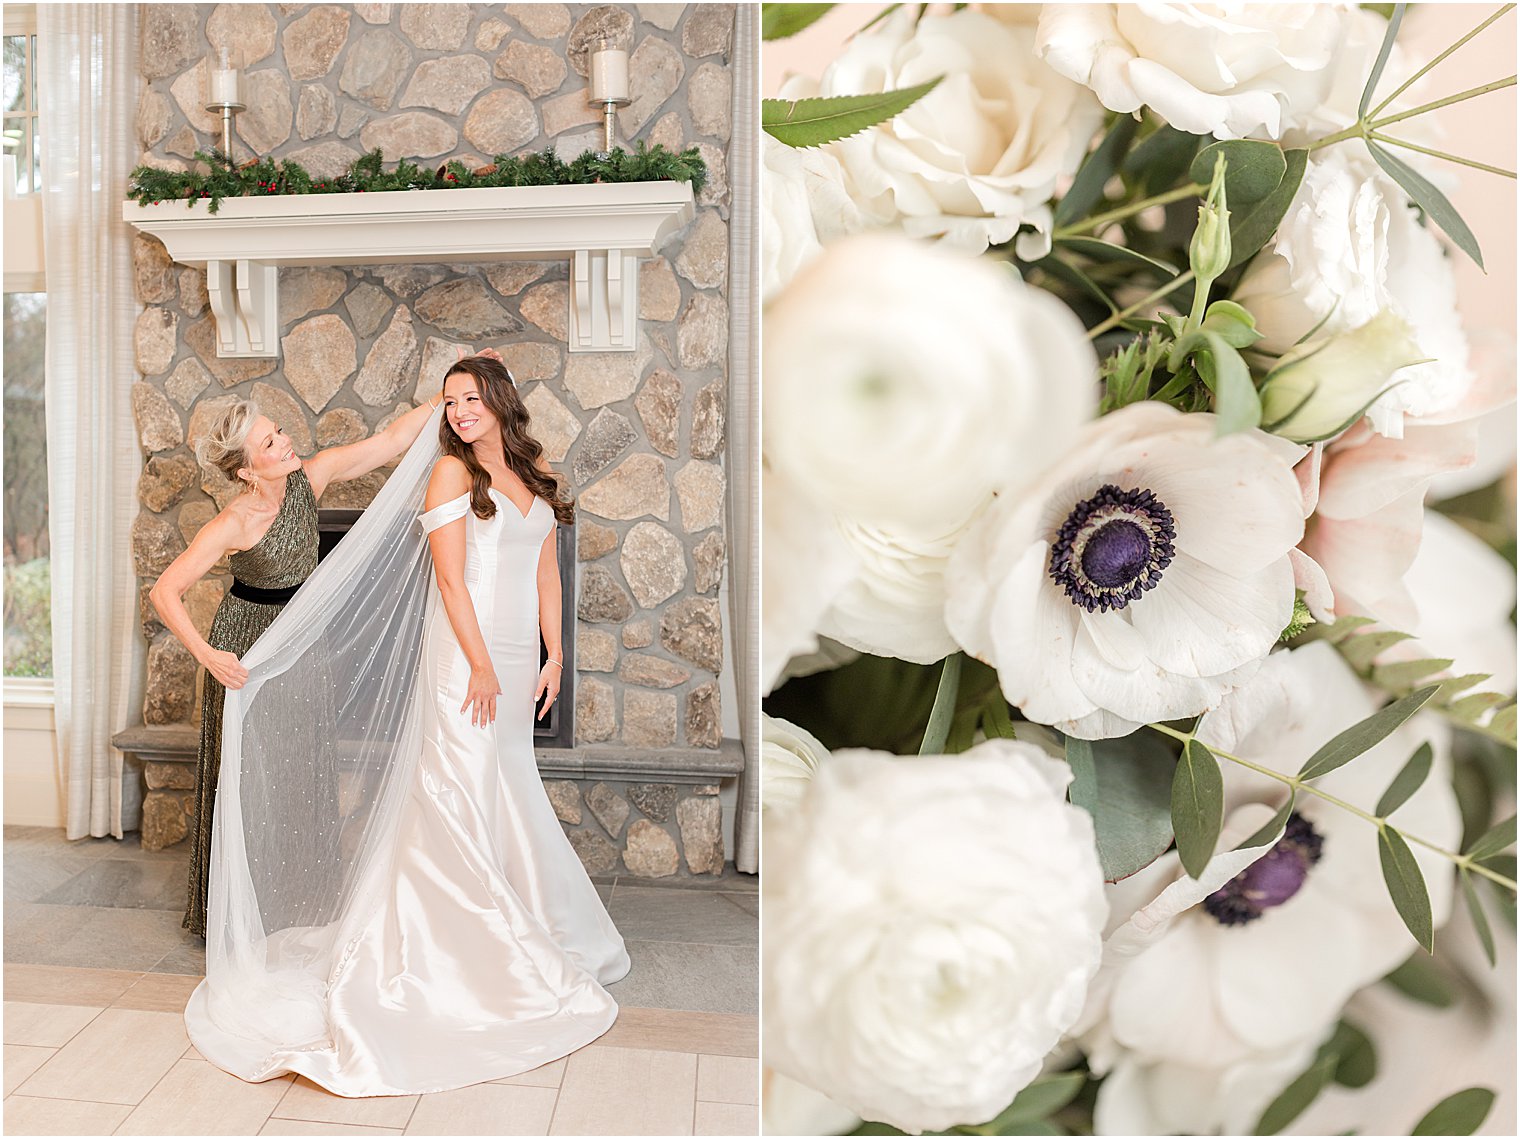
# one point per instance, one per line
(318, 749)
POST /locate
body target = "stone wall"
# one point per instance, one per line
(640, 435)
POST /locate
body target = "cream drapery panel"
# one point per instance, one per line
(87, 97)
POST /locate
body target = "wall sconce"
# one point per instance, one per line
(609, 86)
(226, 98)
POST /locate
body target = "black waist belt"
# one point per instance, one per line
(262, 596)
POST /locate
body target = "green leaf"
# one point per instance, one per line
(1495, 840)
(1161, 159)
(1406, 673)
(1293, 1099)
(1107, 251)
(1065, 271)
(1360, 651)
(1420, 980)
(1232, 322)
(778, 21)
(1237, 406)
(1459, 1114)
(1382, 60)
(1254, 226)
(1503, 724)
(1406, 886)
(813, 122)
(1038, 1101)
(938, 729)
(1125, 785)
(1429, 199)
(1364, 736)
(1479, 917)
(1345, 626)
(1469, 708)
(1101, 165)
(1197, 806)
(1356, 1058)
(995, 719)
(1254, 169)
(1272, 830)
(1406, 782)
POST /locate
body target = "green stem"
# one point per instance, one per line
(943, 712)
(1459, 97)
(1460, 860)
(1418, 75)
(1124, 314)
(1442, 154)
(1098, 221)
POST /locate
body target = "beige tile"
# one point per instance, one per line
(116, 1058)
(712, 1033)
(626, 1091)
(21, 1060)
(197, 1098)
(45, 1026)
(62, 985)
(27, 1116)
(485, 1109)
(545, 1076)
(728, 1079)
(158, 992)
(193, 1053)
(307, 1127)
(726, 1119)
(306, 1100)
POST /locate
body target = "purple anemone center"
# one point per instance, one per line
(1112, 548)
(1272, 879)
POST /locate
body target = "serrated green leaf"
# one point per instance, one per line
(1406, 886)
(1294, 1098)
(1345, 626)
(778, 21)
(938, 729)
(1355, 1056)
(1406, 673)
(1382, 60)
(814, 122)
(1409, 779)
(1365, 735)
(1503, 724)
(1107, 251)
(1497, 839)
(1197, 806)
(1101, 165)
(1469, 708)
(1461, 1113)
(1478, 917)
(1360, 651)
(1125, 785)
(1237, 406)
(1254, 169)
(1452, 685)
(1420, 980)
(1429, 199)
(1254, 226)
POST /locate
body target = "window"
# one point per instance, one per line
(23, 147)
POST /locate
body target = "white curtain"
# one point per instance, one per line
(87, 80)
(744, 424)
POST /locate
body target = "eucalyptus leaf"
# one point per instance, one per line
(1365, 735)
(940, 716)
(1065, 271)
(1409, 779)
(1160, 159)
(1272, 830)
(1254, 226)
(1356, 1058)
(1406, 886)
(1429, 199)
(1039, 1100)
(1197, 806)
(1479, 918)
(814, 122)
(1254, 169)
(1107, 251)
(1237, 406)
(1125, 785)
(778, 21)
(1420, 980)
(1376, 74)
(1101, 165)
(1495, 840)
(1461, 1113)
(1292, 1100)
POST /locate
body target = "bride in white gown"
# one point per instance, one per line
(394, 906)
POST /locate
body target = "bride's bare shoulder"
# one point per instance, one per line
(449, 480)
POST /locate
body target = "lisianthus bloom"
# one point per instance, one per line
(1226, 985)
(931, 923)
(1231, 71)
(903, 386)
(804, 204)
(1142, 577)
(981, 154)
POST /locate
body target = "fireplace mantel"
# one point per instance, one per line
(602, 229)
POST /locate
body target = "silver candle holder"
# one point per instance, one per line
(609, 87)
(226, 98)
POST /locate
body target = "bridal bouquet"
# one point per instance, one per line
(1138, 582)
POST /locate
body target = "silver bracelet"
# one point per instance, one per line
(552, 661)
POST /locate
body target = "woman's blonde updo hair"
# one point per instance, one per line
(225, 446)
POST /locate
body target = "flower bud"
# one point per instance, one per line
(1209, 252)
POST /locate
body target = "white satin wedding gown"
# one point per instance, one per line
(478, 949)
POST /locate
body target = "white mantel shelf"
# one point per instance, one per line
(601, 229)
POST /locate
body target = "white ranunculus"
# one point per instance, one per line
(803, 203)
(931, 924)
(1143, 576)
(982, 153)
(789, 759)
(1349, 248)
(1229, 70)
(1215, 993)
(1323, 387)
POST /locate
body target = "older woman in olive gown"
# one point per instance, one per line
(270, 532)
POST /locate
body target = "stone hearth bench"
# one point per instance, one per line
(649, 813)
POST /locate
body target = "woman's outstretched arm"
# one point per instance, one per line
(354, 459)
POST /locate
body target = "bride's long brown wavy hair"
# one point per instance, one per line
(522, 450)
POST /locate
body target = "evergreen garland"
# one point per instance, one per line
(263, 177)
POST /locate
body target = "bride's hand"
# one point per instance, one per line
(480, 700)
(489, 353)
(226, 668)
(548, 681)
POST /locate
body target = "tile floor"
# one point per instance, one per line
(97, 971)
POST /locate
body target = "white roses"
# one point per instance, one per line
(931, 924)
